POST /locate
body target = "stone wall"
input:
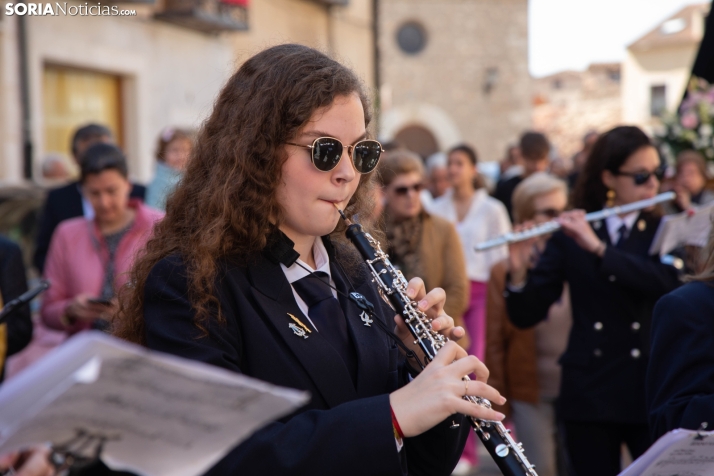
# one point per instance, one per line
(170, 75)
(471, 81)
(569, 104)
(345, 32)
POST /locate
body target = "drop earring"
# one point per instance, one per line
(610, 199)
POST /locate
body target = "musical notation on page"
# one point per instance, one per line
(152, 413)
(678, 453)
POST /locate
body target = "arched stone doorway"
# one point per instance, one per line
(417, 139)
(432, 119)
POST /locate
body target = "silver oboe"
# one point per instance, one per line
(507, 454)
(551, 226)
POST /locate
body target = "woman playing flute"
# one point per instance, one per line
(614, 284)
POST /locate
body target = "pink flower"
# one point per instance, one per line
(690, 121)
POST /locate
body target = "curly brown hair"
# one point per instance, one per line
(222, 208)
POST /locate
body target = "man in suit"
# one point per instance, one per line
(67, 202)
(534, 148)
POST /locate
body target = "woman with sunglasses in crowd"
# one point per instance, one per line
(524, 362)
(419, 243)
(477, 217)
(251, 271)
(614, 284)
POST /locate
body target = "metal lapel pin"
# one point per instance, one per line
(300, 330)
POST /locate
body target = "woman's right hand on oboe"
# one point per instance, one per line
(436, 393)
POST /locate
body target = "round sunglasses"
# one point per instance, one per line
(326, 153)
(641, 178)
(403, 191)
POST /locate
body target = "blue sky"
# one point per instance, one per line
(571, 34)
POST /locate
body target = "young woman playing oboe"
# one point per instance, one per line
(285, 144)
(614, 284)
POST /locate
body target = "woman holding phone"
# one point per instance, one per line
(88, 259)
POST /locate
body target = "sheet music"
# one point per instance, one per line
(678, 453)
(686, 228)
(160, 415)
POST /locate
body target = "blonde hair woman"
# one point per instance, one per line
(614, 283)
(524, 362)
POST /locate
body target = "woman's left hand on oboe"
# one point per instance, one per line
(432, 303)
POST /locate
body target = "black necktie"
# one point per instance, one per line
(622, 236)
(325, 312)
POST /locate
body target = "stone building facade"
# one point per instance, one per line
(453, 71)
(569, 104)
(658, 66)
(161, 67)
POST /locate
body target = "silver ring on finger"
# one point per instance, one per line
(466, 387)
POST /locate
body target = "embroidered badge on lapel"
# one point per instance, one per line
(597, 224)
(300, 330)
(366, 319)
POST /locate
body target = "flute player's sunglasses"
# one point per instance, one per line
(641, 178)
(326, 153)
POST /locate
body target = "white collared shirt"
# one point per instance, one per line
(322, 263)
(614, 222)
(87, 209)
(486, 218)
(295, 272)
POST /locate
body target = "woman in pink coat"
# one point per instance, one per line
(88, 260)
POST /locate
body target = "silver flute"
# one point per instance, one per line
(551, 226)
(392, 285)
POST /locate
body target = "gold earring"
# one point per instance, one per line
(610, 199)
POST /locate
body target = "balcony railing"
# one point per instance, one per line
(208, 16)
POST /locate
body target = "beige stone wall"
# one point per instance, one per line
(170, 74)
(342, 31)
(568, 105)
(442, 88)
(10, 111)
(352, 38)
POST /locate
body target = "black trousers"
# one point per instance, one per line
(594, 449)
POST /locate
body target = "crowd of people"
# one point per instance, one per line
(576, 328)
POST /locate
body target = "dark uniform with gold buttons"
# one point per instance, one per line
(604, 365)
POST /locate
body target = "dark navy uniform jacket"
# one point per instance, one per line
(345, 429)
(680, 378)
(604, 365)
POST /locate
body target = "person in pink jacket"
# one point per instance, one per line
(89, 260)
